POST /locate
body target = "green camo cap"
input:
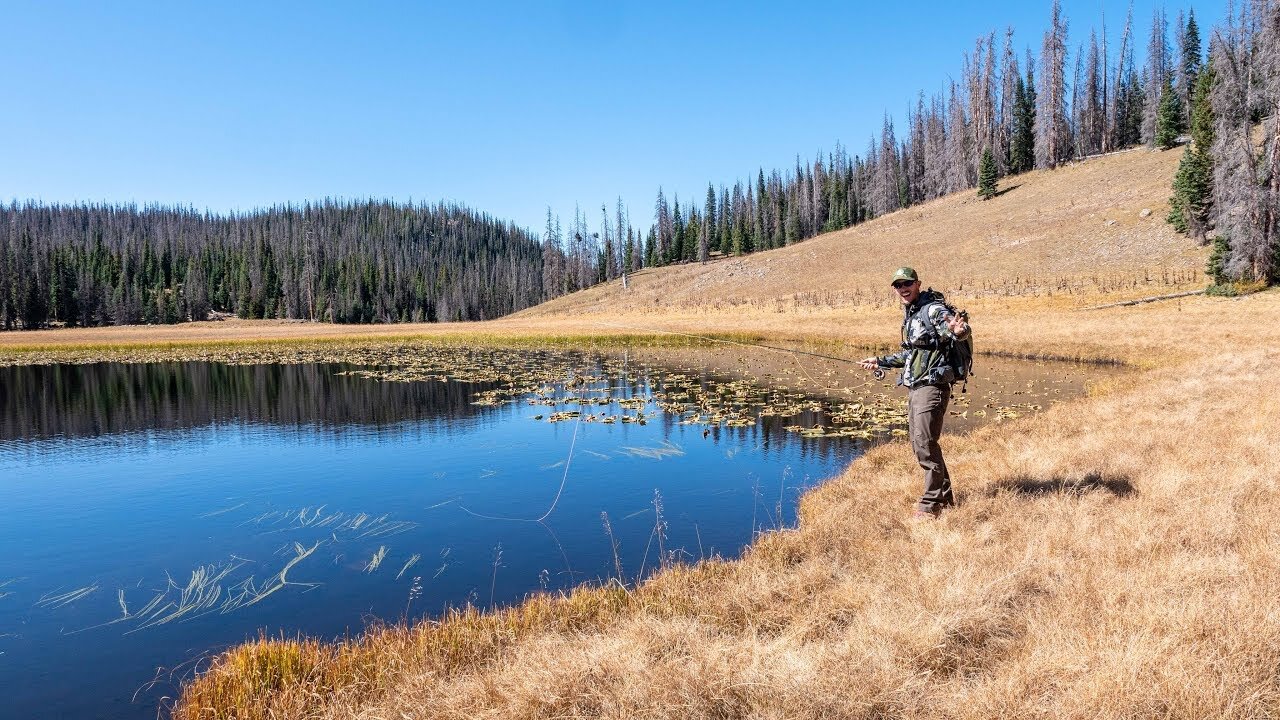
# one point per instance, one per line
(904, 273)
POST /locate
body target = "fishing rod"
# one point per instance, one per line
(878, 373)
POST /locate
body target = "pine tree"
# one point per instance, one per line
(629, 252)
(987, 175)
(1193, 185)
(1216, 266)
(676, 251)
(1022, 146)
(1169, 123)
(1189, 67)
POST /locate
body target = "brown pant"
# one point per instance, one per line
(926, 409)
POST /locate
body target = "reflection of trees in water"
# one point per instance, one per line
(41, 401)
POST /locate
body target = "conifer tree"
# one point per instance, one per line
(1022, 147)
(1189, 65)
(987, 175)
(629, 252)
(1169, 122)
(710, 227)
(1193, 185)
(1216, 265)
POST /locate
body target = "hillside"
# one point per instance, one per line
(1081, 227)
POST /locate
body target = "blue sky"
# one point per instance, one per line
(507, 107)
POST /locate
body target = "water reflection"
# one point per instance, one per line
(71, 401)
(67, 402)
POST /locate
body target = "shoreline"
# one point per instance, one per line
(1072, 565)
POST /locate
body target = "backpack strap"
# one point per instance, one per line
(935, 340)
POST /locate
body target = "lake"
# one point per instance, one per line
(155, 513)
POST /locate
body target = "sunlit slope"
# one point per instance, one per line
(1074, 225)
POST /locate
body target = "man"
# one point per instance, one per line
(928, 329)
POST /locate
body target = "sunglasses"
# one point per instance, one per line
(904, 283)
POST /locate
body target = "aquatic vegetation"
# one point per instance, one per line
(279, 581)
(413, 560)
(376, 561)
(223, 511)
(364, 525)
(202, 592)
(656, 452)
(58, 600)
(209, 589)
(598, 383)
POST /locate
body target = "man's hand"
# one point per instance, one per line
(957, 326)
(869, 364)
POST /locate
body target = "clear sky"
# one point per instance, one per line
(506, 106)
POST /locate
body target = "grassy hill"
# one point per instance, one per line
(1095, 226)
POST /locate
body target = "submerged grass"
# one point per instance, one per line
(1112, 556)
(58, 600)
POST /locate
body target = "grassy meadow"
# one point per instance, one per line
(1114, 556)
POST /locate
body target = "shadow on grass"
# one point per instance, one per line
(1118, 486)
(1011, 188)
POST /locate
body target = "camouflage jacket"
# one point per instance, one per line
(925, 339)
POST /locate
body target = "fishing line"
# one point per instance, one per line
(878, 373)
(563, 480)
(731, 342)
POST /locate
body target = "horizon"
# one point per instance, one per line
(263, 147)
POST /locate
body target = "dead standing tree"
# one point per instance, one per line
(1053, 131)
(1246, 180)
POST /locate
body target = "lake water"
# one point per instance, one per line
(156, 513)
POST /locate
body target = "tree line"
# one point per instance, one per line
(337, 261)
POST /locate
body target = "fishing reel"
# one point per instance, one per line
(878, 374)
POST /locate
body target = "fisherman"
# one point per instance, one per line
(929, 328)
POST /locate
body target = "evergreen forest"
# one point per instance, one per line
(343, 262)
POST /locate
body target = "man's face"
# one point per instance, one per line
(908, 290)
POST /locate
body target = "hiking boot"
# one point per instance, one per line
(925, 514)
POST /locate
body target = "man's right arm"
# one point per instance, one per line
(895, 360)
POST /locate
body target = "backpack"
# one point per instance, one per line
(959, 353)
